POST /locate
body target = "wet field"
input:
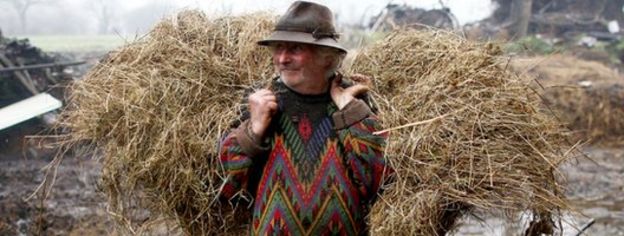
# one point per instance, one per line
(74, 206)
(595, 189)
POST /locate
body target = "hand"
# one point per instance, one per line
(262, 107)
(342, 96)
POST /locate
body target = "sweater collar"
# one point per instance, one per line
(307, 98)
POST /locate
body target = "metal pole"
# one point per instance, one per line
(41, 66)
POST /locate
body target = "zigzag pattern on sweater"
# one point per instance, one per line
(328, 205)
(305, 151)
(314, 180)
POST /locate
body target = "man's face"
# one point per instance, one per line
(298, 64)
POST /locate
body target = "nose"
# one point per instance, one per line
(283, 57)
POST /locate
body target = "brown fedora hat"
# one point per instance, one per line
(306, 22)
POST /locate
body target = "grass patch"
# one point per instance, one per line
(531, 45)
(76, 43)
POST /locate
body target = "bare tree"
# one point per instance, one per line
(21, 7)
(104, 11)
(520, 16)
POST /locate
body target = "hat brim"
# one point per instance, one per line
(300, 37)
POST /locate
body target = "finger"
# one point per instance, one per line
(362, 79)
(262, 92)
(368, 82)
(356, 77)
(357, 89)
(268, 94)
(272, 106)
(269, 98)
(255, 96)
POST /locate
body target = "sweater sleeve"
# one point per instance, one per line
(237, 152)
(364, 151)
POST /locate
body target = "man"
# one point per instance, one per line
(307, 153)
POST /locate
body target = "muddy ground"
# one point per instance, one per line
(75, 207)
(72, 207)
(596, 190)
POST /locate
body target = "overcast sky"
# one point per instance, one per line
(349, 10)
(136, 16)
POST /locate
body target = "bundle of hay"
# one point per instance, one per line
(471, 137)
(588, 96)
(158, 107)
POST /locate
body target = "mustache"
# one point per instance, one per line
(283, 68)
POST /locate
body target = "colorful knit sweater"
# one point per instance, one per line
(317, 171)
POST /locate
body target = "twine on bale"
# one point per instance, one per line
(482, 142)
(157, 109)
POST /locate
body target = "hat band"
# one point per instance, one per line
(316, 33)
(319, 35)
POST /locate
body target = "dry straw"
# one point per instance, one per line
(157, 108)
(471, 135)
(588, 96)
